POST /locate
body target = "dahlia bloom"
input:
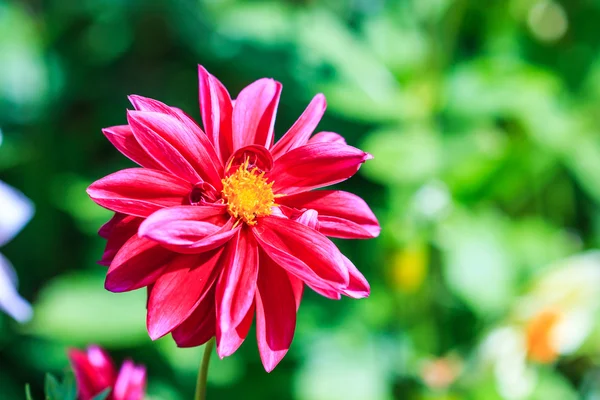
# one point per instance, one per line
(221, 224)
(15, 211)
(95, 372)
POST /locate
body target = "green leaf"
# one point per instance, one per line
(52, 388)
(76, 309)
(68, 193)
(65, 390)
(364, 87)
(103, 395)
(28, 395)
(69, 386)
(403, 155)
(479, 264)
(552, 385)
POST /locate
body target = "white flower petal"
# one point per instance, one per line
(15, 211)
(10, 301)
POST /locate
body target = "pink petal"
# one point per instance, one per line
(122, 138)
(254, 114)
(297, 288)
(94, 371)
(275, 313)
(300, 132)
(257, 156)
(327, 137)
(189, 229)
(325, 291)
(229, 341)
(358, 287)
(124, 227)
(199, 147)
(179, 290)
(147, 104)
(237, 283)
(315, 165)
(139, 263)
(200, 326)
(108, 227)
(216, 109)
(131, 383)
(177, 147)
(303, 252)
(309, 218)
(341, 214)
(138, 191)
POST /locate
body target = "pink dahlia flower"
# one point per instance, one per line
(223, 224)
(95, 372)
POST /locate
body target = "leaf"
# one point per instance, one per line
(364, 88)
(28, 395)
(69, 386)
(76, 309)
(52, 388)
(479, 264)
(552, 385)
(403, 156)
(68, 193)
(103, 395)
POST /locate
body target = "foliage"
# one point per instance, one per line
(483, 121)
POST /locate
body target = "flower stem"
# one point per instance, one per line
(203, 372)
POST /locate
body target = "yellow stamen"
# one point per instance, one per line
(247, 194)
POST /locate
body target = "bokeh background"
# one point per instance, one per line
(484, 120)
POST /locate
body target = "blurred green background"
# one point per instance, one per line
(484, 120)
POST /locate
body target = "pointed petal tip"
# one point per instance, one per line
(113, 286)
(103, 263)
(133, 114)
(135, 100)
(201, 69)
(322, 99)
(358, 295)
(228, 346)
(155, 331)
(373, 231)
(225, 351)
(269, 368)
(203, 73)
(269, 363)
(376, 231)
(270, 81)
(107, 131)
(143, 229)
(368, 156)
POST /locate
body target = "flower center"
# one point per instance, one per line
(247, 194)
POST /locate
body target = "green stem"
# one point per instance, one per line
(203, 372)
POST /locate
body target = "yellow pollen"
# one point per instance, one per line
(247, 194)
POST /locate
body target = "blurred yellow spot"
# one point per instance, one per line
(540, 341)
(409, 268)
